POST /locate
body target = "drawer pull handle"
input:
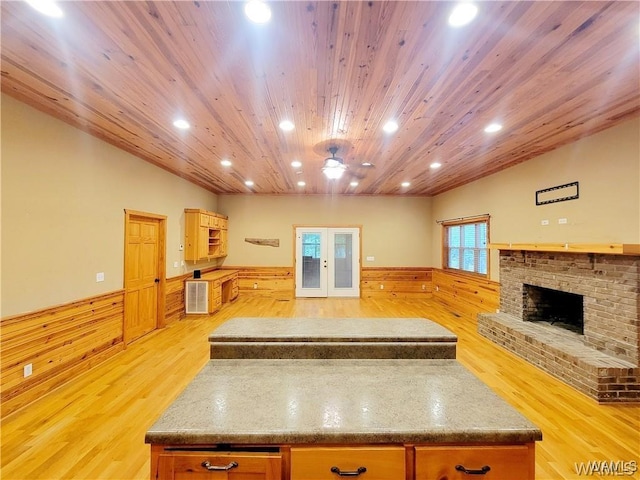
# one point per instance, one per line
(482, 471)
(337, 471)
(208, 466)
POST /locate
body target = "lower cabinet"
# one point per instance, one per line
(369, 463)
(509, 462)
(216, 466)
(365, 462)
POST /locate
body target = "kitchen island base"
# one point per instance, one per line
(330, 462)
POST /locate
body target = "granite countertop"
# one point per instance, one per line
(259, 401)
(264, 329)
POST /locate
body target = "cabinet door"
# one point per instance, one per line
(203, 466)
(223, 242)
(203, 242)
(368, 463)
(482, 462)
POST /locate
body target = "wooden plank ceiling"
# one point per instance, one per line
(550, 72)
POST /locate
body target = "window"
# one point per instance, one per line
(465, 245)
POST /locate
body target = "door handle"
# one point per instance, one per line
(157, 280)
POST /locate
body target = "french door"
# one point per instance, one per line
(327, 262)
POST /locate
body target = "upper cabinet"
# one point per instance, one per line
(205, 235)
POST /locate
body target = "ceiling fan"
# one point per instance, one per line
(334, 167)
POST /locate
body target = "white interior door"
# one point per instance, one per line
(327, 262)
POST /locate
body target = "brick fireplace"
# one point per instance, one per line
(599, 352)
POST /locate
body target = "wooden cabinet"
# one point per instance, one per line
(205, 235)
(222, 288)
(508, 462)
(372, 463)
(202, 465)
(368, 462)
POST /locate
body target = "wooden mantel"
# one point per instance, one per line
(611, 248)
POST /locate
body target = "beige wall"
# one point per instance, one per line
(607, 165)
(63, 198)
(395, 230)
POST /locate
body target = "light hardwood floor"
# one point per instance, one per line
(93, 428)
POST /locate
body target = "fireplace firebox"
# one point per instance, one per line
(557, 308)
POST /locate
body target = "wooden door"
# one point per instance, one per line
(143, 275)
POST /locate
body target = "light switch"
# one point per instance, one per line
(562, 221)
(544, 222)
(371, 259)
(100, 277)
(175, 264)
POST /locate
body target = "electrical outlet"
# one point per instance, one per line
(255, 286)
(562, 221)
(424, 287)
(100, 277)
(544, 222)
(182, 263)
(181, 248)
(28, 370)
(175, 264)
(437, 288)
(381, 287)
(371, 258)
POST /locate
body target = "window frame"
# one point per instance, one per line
(459, 222)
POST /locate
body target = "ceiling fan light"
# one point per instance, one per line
(257, 11)
(47, 7)
(462, 14)
(333, 172)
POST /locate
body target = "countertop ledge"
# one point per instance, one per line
(260, 401)
(353, 330)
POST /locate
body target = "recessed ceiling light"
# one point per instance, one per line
(257, 11)
(390, 126)
(492, 128)
(366, 164)
(435, 165)
(225, 163)
(47, 7)
(296, 164)
(301, 183)
(249, 183)
(181, 124)
(286, 125)
(462, 14)
(354, 184)
(405, 184)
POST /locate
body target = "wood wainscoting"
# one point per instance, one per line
(174, 302)
(396, 282)
(266, 281)
(465, 295)
(60, 343)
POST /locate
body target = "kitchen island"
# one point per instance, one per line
(356, 338)
(308, 419)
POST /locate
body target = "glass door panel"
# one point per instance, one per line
(344, 262)
(311, 262)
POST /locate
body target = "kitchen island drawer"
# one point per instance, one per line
(502, 462)
(222, 466)
(332, 463)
